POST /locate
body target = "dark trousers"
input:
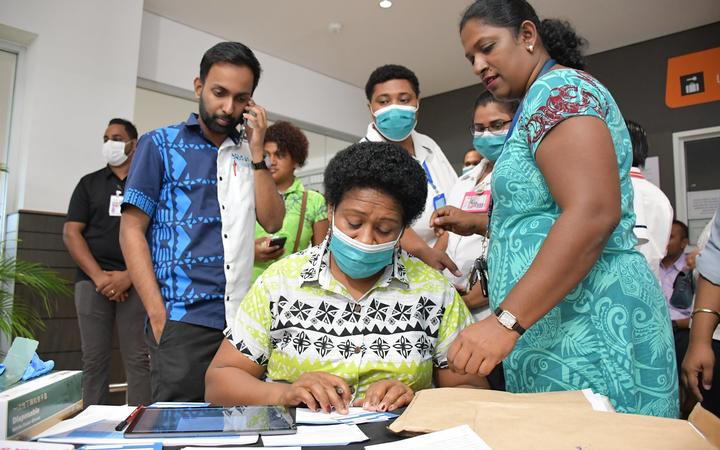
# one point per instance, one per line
(96, 318)
(711, 398)
(179, 361)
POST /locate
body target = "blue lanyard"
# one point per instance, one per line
(545, 69)
(429, 177)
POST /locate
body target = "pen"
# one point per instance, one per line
(129, 419)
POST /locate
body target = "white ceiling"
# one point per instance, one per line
(420, 34)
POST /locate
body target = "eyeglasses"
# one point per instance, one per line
(495, 127)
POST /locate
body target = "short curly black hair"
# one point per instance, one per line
(289, 139)
(391, 72)
(384, 166)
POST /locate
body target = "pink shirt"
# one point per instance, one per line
(667, 278)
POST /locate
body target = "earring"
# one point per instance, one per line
(530, 48)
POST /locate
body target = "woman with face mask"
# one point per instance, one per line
(576, 306)
(354, 320)
(472, 193)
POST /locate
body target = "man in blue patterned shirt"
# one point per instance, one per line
(187, 229)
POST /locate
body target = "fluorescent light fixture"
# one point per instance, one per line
(385, 4)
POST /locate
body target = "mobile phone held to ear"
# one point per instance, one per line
(278, 241)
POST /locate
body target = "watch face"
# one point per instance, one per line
(507, 320)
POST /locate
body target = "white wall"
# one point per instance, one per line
(170, 54)
(78, 67)
(155, 110)
(78, 72)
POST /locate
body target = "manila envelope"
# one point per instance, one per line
(554, 427)
(438, 409)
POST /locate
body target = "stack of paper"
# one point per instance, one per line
(22, 445)
(355, 415)
(458, 438)
(155, 446)
(318, 435)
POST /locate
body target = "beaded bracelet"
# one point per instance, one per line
(705, 310)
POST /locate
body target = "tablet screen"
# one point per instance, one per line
(208, 421)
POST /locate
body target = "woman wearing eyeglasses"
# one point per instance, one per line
(472, 193)
(576, 305)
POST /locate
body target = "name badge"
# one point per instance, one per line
(476, 202)
(115, 204)
(439, 201)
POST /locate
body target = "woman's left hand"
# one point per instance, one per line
(480, 347)
(386, 395)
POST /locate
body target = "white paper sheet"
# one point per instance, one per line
(702, 204)
(22, 445)
(317, 435)
(598, 402)
(242, 448)
(458, 438)
(356, 415)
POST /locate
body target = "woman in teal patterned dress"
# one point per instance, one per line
(562, 262)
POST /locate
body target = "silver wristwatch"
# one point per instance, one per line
(508, 320)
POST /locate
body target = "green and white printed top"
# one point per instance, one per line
(297, 318)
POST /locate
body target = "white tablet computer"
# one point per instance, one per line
(211, 421)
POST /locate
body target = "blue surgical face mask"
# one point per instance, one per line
(489, 145)
(396, 122)
(357, 259)
(467, 169)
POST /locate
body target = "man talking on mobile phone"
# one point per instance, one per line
(192, 197)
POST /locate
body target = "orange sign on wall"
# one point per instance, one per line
(693, 79)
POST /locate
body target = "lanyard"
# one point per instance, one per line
(545, 69)
(429, 177)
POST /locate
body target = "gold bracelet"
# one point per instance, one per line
(705, 310)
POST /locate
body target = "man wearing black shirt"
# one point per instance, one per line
(103, 291)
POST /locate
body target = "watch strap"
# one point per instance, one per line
(260, 165)
(516, 326)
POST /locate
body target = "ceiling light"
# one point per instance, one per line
(385, 4)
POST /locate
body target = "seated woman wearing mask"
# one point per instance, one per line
(353, 320)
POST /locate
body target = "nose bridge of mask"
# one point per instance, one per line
(367, 248)
(389, 108)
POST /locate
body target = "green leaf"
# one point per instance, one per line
(17, 316)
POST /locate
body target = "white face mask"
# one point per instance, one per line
(114, 152)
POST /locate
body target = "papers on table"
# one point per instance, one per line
(242, 448)
(598, 402)
(355, 415)
(22, 445)
(96, 425)
(155, 446)
(179, 405)
(458, 438)
(318, 435)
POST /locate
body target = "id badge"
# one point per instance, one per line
(115, 205)
(439, 201)
(476, 202)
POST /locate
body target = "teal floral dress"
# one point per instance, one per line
(611, 333)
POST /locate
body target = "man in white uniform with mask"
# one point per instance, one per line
(393, 99)
(103, 291)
